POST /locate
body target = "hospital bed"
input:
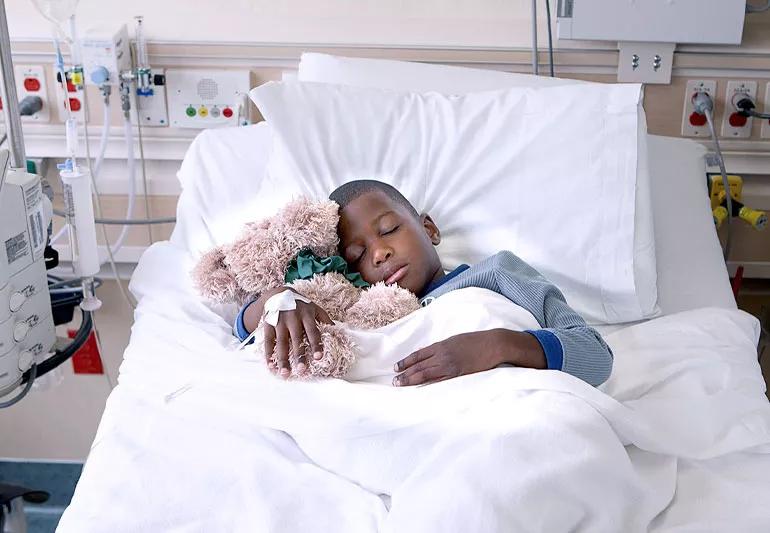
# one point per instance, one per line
(163, 462)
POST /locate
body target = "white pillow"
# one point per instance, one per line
(424, 77)
(549, 174)
(414, 77)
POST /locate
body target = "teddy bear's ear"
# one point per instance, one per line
(308, 224)
(214, 280)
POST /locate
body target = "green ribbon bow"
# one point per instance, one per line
(307, 264)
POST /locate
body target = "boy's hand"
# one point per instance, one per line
(468, 353)
(291, 329)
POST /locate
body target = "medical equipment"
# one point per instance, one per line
(663, 21)
(26, 325)
(753, 217)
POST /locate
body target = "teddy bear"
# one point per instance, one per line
(297, 247)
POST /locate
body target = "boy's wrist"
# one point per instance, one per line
(520, 349)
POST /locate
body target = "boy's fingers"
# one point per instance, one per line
(313, 337)
(269, 344)
(322, 316)
(416, 357)
(296, 332)
(282, 348)
(419, 377)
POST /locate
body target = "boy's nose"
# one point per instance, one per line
(381, 255)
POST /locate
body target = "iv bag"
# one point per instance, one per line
(57, 11)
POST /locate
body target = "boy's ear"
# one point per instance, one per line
(431, 229)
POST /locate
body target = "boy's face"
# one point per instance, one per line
(384, 241)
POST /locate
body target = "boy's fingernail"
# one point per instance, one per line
(318, 355)
(301, 367)
(395, 368)
(396, 381)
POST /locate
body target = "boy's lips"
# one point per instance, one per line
(397, 275)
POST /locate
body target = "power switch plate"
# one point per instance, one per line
(694, 125)
(735, 126)
(766, 122)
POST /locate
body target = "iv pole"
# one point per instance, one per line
(10, 98)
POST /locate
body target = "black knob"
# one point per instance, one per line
(159, 79)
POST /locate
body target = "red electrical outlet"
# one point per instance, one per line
(87, 359)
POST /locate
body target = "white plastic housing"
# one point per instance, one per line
(80, 217)
(665, 21)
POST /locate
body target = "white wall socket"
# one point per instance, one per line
(30, 81)
(766, 122)
(694, 125)
(734, 125)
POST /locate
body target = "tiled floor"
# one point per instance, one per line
(58, 479)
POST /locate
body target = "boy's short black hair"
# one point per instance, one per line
(344, 194)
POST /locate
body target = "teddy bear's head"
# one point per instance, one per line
(258, 259)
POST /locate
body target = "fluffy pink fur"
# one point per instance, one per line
(380, 305)
(333, 290)
(214, 280)
(259, 258)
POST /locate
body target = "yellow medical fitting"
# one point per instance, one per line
(720, 215)
(716, 188)
(756, 219)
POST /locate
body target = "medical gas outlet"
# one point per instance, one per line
(736, 125)
(753, 217)
(694, 124)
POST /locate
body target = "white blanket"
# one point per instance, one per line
(200, 437)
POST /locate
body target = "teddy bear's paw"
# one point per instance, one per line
(381, 304)
(213, 280)
(339, 353)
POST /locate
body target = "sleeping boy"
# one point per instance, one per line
(384, 238)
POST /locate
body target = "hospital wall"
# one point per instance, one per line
(266, 38)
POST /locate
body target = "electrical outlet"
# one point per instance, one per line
(694, 124)
(76, 101)
(735, 125)
(151, 109)
(30, 82)
(766, 122)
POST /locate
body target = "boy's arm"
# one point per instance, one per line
(568, 343)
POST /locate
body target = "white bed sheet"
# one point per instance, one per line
(184, 444)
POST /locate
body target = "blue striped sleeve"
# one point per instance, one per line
(239, 328)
